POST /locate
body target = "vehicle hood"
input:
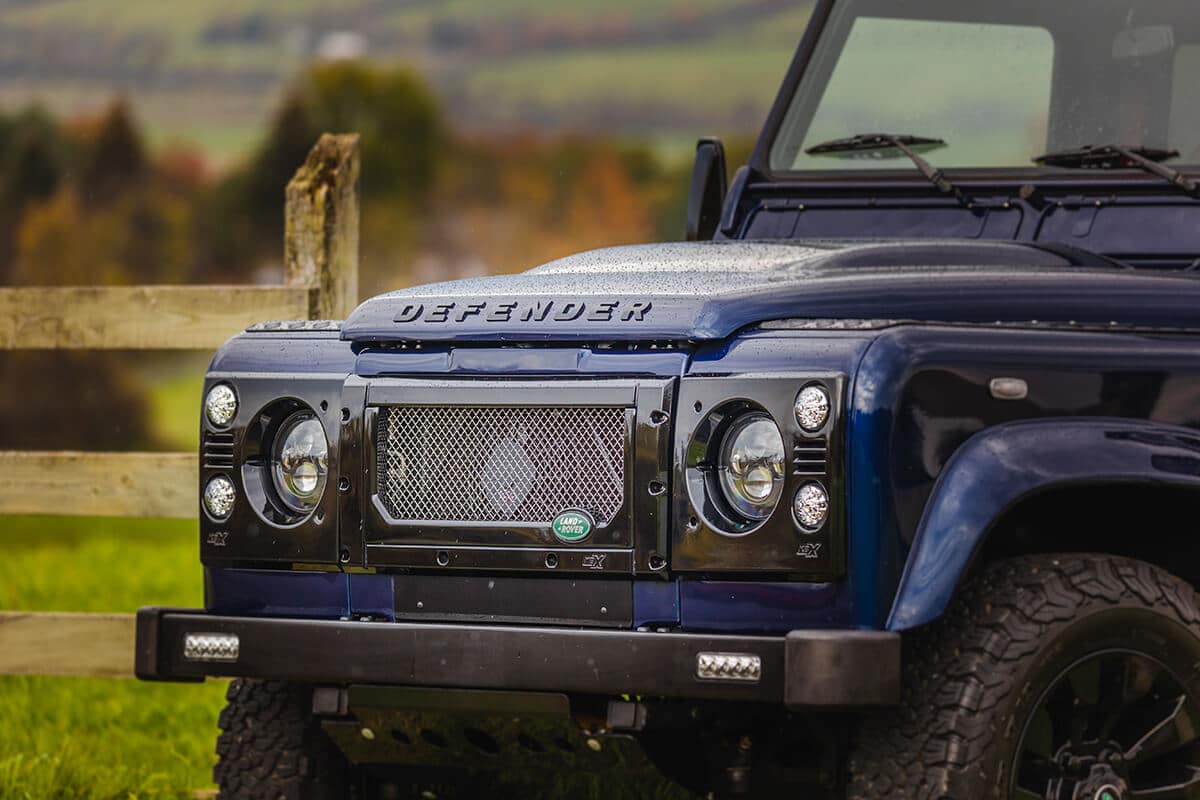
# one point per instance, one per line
(701, 291)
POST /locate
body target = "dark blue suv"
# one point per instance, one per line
(886, 484)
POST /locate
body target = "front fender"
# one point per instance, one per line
(999, 467)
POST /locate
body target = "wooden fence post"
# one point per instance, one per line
(320, 249)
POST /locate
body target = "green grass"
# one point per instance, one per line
(98, 564)
(102, 738)
(94, 738)
(174, 383)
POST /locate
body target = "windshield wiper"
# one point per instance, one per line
(875, 142)
(1116, 156)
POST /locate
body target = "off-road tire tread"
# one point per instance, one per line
(272, 748)
(962, 668)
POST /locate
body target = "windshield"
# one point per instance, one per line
(999, 82)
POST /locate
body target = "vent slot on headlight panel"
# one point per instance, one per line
(217, 450)
(501, 464)
(810, 458)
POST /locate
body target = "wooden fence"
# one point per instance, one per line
(321, 282)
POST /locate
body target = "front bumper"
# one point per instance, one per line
(805, 669)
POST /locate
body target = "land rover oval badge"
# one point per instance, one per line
(573, 526)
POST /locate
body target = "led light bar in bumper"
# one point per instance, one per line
(211, 647)
(728, 666)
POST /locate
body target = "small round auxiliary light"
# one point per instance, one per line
(812, 408)
(811, 506)
(219, 495)
(220, 405)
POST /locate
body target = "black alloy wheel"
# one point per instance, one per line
(1114, 725)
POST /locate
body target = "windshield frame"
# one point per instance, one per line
(774, 127)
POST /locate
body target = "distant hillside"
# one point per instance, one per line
(200, 72)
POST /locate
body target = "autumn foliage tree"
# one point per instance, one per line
(113, 219)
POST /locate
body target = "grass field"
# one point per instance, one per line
(102, 738)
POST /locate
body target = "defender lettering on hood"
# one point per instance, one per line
(525, 311)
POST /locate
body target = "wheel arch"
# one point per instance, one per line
(1048, 485)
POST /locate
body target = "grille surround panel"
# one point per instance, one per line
(501, 465)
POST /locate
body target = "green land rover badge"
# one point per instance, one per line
(572, 526)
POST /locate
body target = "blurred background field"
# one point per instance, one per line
(216, 69)
(150, 142)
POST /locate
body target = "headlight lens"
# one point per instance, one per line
(811, 506)
(219, 495)
(812, 408)
(300, 462)
(220, 405)
(752, 466)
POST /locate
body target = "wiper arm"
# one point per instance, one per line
(874, 142)
(1116, 156)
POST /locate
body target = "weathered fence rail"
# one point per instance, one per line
(62, 643)
(142, 317)
(92, 484)
(321, 282)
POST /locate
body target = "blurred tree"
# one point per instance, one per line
(150, 235)
(291, 136)
(115, 159)
(144, 236)
(403, 136)
(605, 206)
(32, 165)
(240, 219)
(53, 249)
(510, 203)
(33, 158)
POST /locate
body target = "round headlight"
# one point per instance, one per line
(300, 461)
(219, 495)
(811, 506)
(220, 405)
(751, 466)
(812, 408)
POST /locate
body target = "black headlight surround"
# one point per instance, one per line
(258, 453)
(706, 537)
(704, 455)
(261, 529)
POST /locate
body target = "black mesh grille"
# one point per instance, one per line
(501, 464)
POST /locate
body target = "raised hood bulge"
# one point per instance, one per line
(699, 291)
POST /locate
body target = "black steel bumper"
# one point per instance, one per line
(828, 669)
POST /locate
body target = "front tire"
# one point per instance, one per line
(271, 747)
(1063, 677)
